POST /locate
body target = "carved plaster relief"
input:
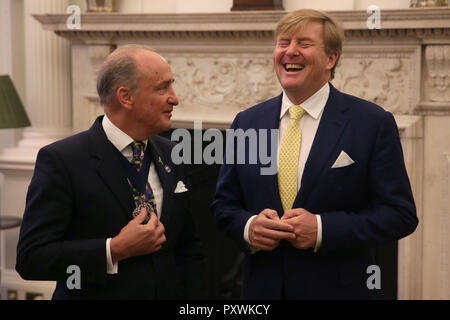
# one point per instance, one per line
(224, 84)
(437, 73)
(387, 79)
(218, 84)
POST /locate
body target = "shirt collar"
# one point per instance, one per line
(313, 105)
(117, 137)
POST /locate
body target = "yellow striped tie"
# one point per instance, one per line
(288, 158)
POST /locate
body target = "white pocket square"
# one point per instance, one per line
(180, 187)
(343, 160)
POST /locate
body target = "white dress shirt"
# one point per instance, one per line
(122, 142)
(309, 123)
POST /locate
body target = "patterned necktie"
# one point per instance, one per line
(289, 157)
(136, 161)
(138, 149)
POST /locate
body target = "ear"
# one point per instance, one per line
(125, 98)
(332, 58)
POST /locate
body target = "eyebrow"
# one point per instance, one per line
(165, 82)
(290, 38)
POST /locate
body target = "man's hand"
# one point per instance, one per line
(137, 239)
(266, 230)
(305, 227)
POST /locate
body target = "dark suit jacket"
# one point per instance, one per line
(78, 197)
(361, 205)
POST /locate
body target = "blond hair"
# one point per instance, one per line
(333, 32)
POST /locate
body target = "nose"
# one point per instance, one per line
(173, 99)
(292, 49)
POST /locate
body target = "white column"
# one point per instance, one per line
(48, 84)
(5, 38)
(11, 61)
(48, 104)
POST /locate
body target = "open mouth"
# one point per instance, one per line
(292, 67)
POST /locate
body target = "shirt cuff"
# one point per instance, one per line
(319, 233)
(246, 237)
(111, 268)
(247, 226)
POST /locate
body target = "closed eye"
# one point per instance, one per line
(305, 44)
(283, 43)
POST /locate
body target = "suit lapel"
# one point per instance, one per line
(166, 175)
(332, 124)
(271, 121)
(109, 168)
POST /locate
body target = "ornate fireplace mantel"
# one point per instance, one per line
(222, 64)
(114, 23)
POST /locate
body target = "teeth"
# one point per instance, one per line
(294, 66)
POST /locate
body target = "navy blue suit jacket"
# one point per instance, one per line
(362, 205)
(78, 197)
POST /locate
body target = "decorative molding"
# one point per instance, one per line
(383, 81)
(351, 19)
(207, 82)
(418, 23)
(386, 76)
(419, 32)
(429, 108)
(436, 80)
(221, 86)
(437, 73)
(10, 162)
(252, 35)
(111, 36)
